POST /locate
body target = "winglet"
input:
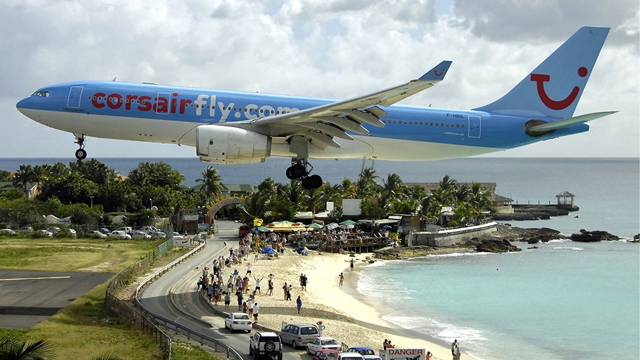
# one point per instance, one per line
(437, 73)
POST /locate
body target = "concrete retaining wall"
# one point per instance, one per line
(453, 236)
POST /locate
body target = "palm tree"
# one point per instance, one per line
(210, 182)
(23, 177)
(393, 185)
(366, 184)
(11, 348)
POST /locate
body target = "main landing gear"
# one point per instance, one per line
(81, 153)
(298, 170)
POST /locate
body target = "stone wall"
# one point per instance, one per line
(452, 236)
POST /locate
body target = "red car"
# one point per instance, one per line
(325, 354)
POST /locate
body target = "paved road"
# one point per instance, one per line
(196, 314)
(30, 297)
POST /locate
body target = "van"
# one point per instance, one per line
(298, 334)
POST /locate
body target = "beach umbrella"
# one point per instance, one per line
(264, 229)
(348, 222)
(314, 226)
(331, 226)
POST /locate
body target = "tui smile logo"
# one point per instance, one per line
(540, 79)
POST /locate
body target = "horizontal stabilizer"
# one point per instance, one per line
(568, 122)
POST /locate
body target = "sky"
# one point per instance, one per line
(324, 48)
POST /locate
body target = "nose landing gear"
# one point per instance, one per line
(298, 170)
(81, 153)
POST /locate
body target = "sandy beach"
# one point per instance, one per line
(347, 315)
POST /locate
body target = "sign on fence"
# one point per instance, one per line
(181, 241)
(404, 354)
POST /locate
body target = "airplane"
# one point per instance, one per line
(230, 127)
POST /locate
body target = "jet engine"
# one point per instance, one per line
(229, 145)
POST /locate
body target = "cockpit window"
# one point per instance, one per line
(41, 93)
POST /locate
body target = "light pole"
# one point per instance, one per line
(151, 200)
(91, 197)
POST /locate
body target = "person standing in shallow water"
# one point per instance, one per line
(455, 349)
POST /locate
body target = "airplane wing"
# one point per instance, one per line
(322, 123)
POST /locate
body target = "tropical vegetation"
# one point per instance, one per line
(274, 201)
(87, 190)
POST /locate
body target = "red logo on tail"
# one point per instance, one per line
(540, 79)
(436, 72)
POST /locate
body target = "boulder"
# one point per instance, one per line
(495, 246)
(593, 236)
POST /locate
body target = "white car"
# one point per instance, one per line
(45, 233)
(8, 232)
(238, 321)
(349, 356)
(98, 234)
(140, 235)
(119, 234)
(321, 343)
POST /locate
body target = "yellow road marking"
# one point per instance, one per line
(38, 278)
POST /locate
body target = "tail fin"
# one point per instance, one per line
(554, 88)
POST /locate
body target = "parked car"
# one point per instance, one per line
(26, 229)
(45, 233)
(159, 234)
(299, 334)
(55, 230)
(325, 354)
(98, 234)
(71, 233)
(126, 229)
(366, 352)
(8, 232)
(349, 356)
(104, 231)
(238, 321)
(267, 344)
(119, 234)
(137, 234)
(322, 343)
(149, 229)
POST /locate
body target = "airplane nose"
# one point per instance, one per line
(22, 103)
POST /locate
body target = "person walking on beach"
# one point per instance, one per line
(341, 276)
(298, 304)
(256, 310)
(284, 287)
(455, 349)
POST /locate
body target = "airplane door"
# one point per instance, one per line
(475, 129)
(163, 101)
(73, 102)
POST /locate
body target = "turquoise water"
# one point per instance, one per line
(564, 300)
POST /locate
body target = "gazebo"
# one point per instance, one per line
(565, 199)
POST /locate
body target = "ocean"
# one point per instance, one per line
(563, 300)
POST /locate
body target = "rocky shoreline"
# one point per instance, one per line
(498, 242)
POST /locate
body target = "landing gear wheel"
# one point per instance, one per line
(312, 182)
(81, 154)
(297, 171)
